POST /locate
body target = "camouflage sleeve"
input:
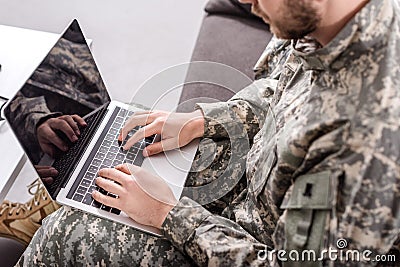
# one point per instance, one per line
(27, 113)
(242, 115)
(210, 240)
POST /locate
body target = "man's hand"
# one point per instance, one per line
(145, 197)
(48, 138)
(46, 173)
(176, 129)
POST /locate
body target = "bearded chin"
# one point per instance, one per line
(295, 32)
(301, 20)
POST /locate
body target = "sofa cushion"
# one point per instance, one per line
(237, 42)
(230, 7)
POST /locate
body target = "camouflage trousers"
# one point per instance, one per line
(70, 237)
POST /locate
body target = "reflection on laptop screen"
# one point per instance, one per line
(46, 111)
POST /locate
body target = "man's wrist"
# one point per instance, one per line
(163, 215)
(197, 122)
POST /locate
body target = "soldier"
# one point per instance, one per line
(322, 171)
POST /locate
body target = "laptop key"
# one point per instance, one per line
(88, 199)
(134, 150)
(107, 162)
(129, 161)
(91, 189)
(115, 211)
(122, 112)
(89, 176)
(96, 204)
(113, 131)
(81, 190)
(117, 162)
(106, 208)
(101, 190)
(114, 149)
(137, 145)
(115, 143)
(110, 155)
(119, 119)
(130, 156)
(103, 149)
(96, 162)
(85, 183)
(107, 143)
(150, 139)
(77, 197)
(120, 156)
(112, 195)
(100, 156)
(138, 160)
(93, 169)
(109, 137)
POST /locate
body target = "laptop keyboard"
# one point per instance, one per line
(65, 161)
(107, 153)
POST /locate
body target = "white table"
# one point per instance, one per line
(18, 60)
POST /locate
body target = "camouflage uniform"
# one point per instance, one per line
(66, 82)
(324, 164)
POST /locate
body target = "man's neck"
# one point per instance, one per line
(336, 14)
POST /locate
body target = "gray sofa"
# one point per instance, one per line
(229, 35)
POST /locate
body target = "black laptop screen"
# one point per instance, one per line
(63, 89)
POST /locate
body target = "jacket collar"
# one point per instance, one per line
(365, 30)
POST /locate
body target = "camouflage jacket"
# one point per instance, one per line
(324, 168)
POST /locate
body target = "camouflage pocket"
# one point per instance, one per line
(307, 211)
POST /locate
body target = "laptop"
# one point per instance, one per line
(68, 82)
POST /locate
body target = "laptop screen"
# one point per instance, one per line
(48, 113)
